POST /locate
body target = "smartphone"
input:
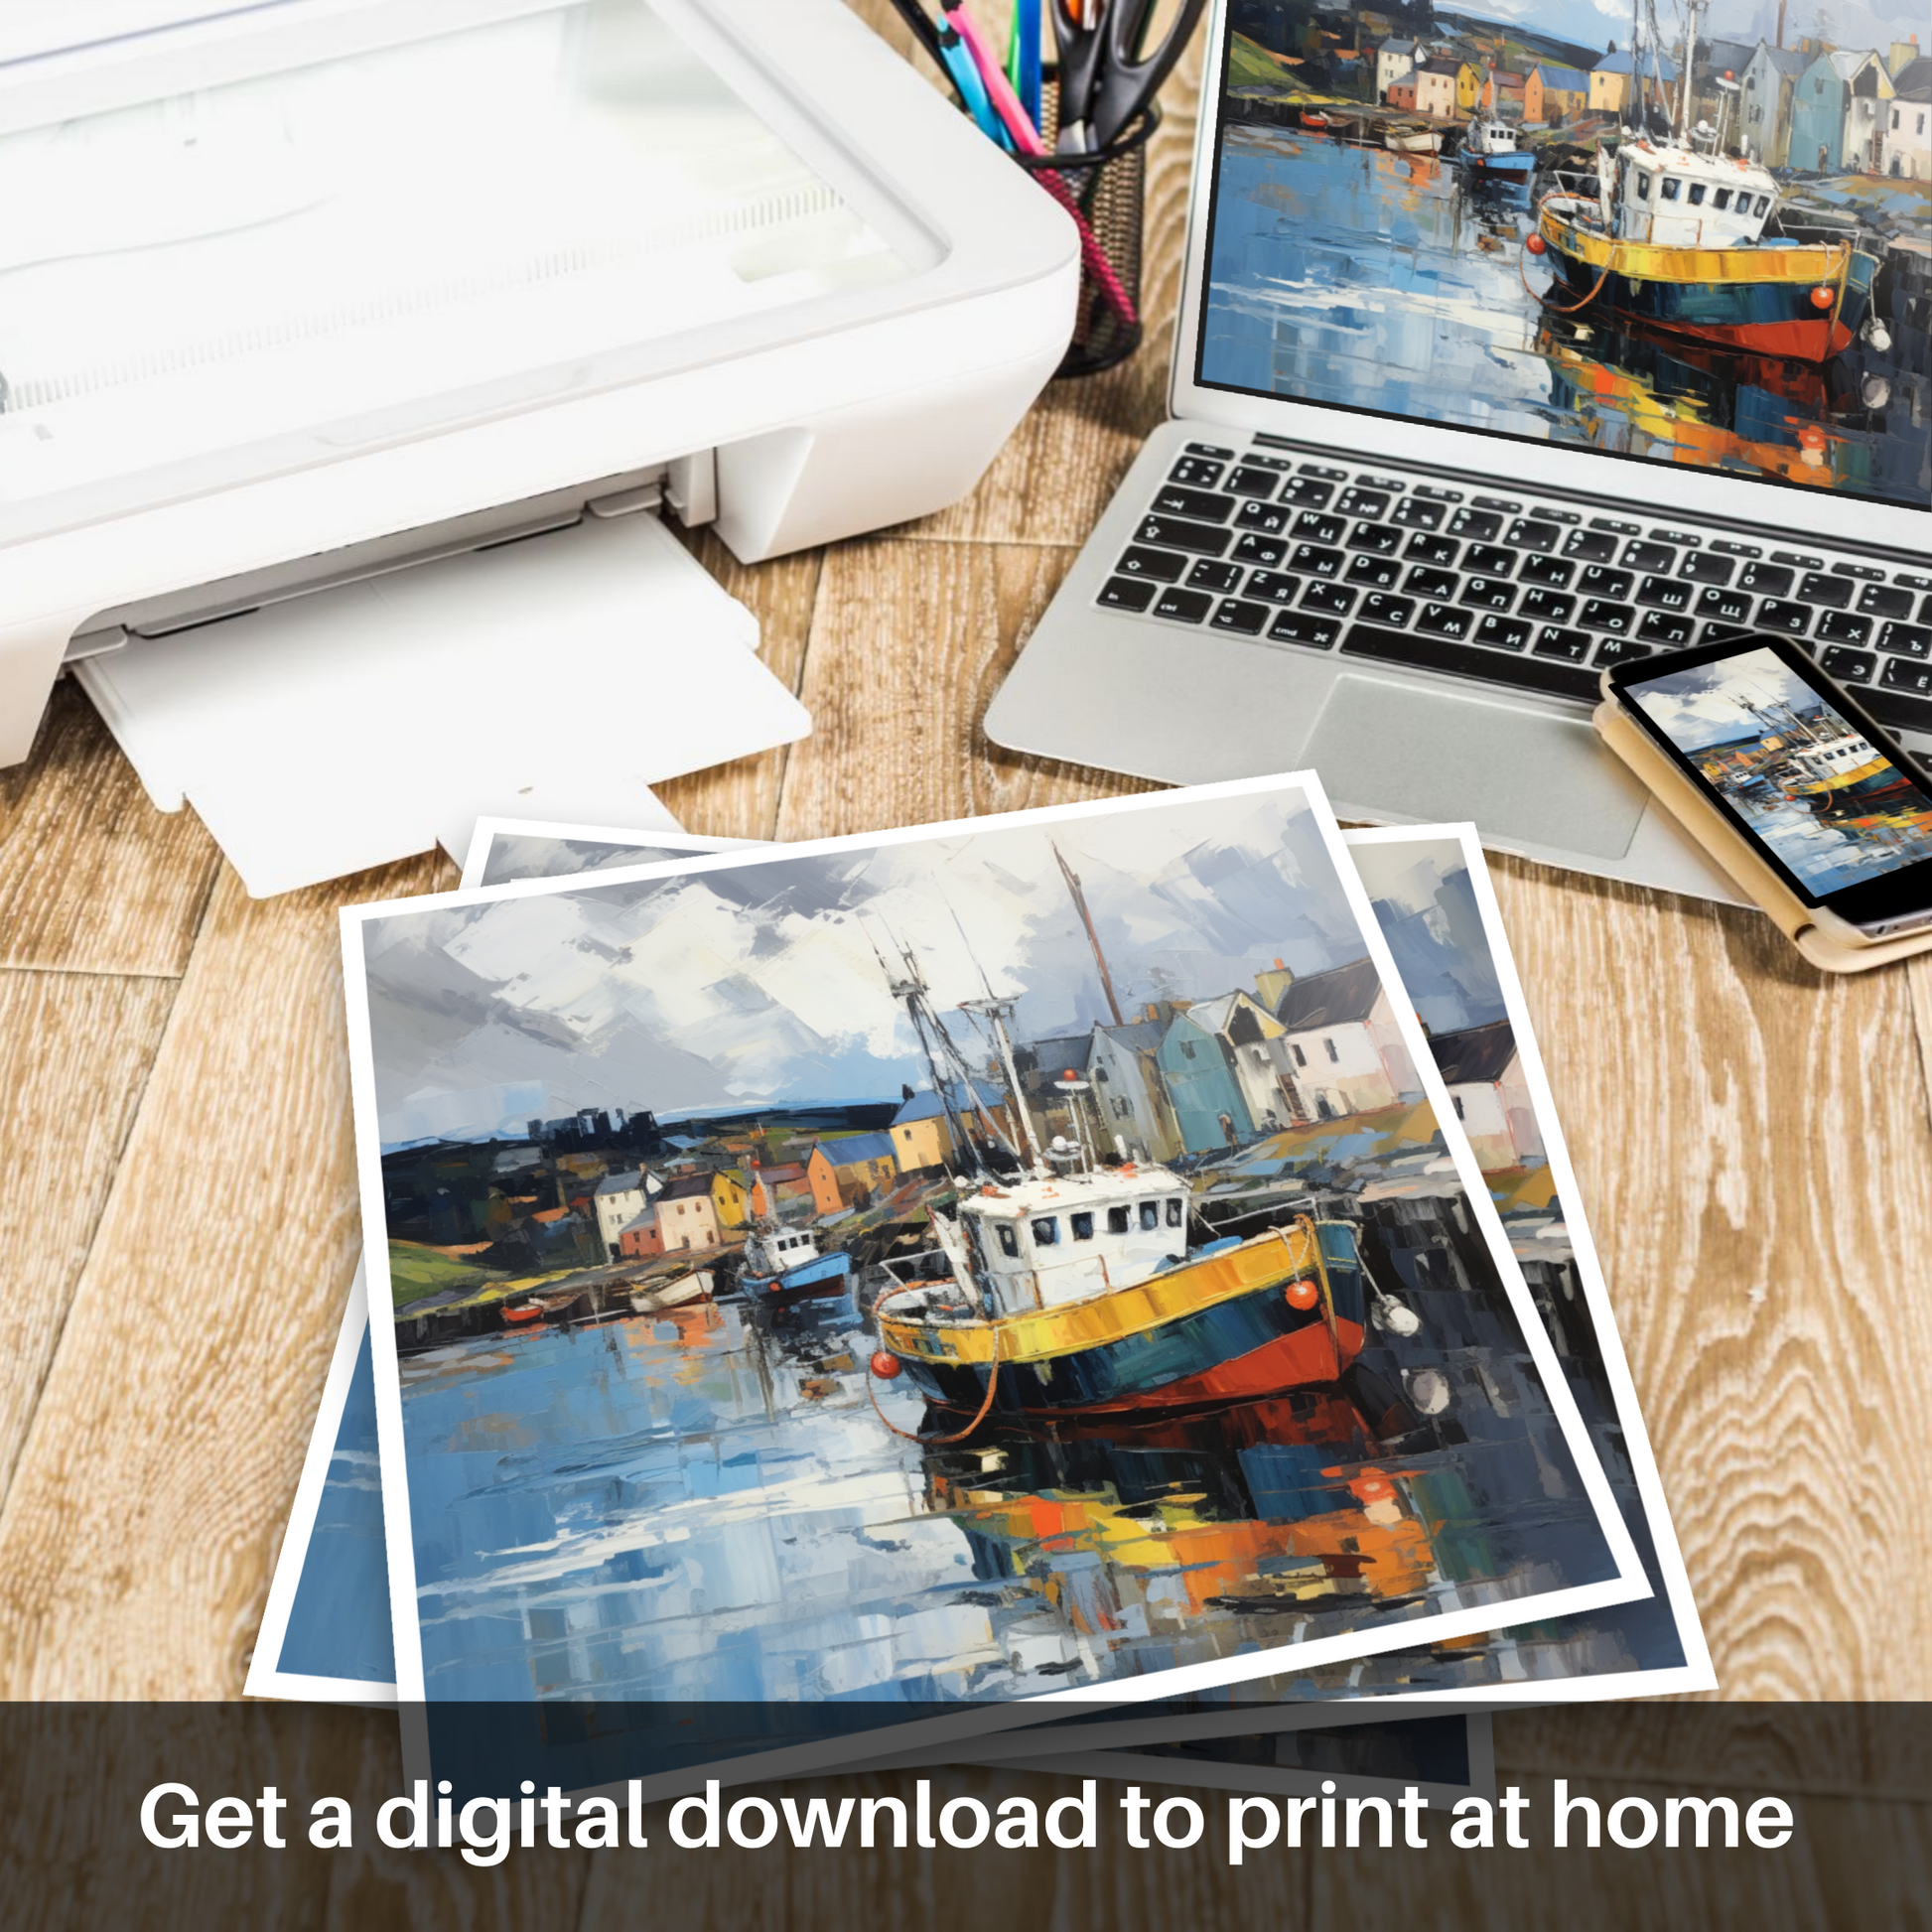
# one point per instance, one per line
(1831, 802)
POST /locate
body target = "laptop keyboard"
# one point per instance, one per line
(1521, 592)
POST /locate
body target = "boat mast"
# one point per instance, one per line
(997, 1013)
(1684, 72)
(1093, 938)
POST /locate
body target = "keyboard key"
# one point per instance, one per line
(1549, 571)
(1666, 627)
(1298, 627)
(1619, 651)
(1479, 524)
(1778, 613)
(1308, 493)
(1649, 556)
(1196, 472)
(1432, 550)
(1175, 533)
(1599, 614)
(1508, 505)
(1848, 666)
(1434, 653)
(1911, 581)
(1127, 593)
(1253, 549)
(1503, 633)
(1270, 519)
(1730, 549)
(1170, 499)
(1700, 567)
(1247, 481)
(1380, 572)
(1901, 674)
(1278, 464)
(1393, 611)
(1312, 561)
(1598, 582)
(1431, 582)
(1664, 593)
(1330, 598)
(1210, 449)
(1357, 502)
(1766, 578)
(1313, 527)
(1797, 559)
(1322, 470)
(1725, 607)
(1546, 607)
(1590, 546)
(1831, 593)
(1489, 560)
(1417, 514)
(1840, 628)
(1208, 575)
(1925, 612)
(1382, 538)
(1526, 533)
(1277, 587)
(1883, 601)
(1896, 709)
(1906, 640)
(1445, 621)
(1161, 565)
(1183, 607)
(1487, 595)
(1554, 641)
(1236, 613)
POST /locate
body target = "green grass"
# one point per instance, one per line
(1249, 65)
(416, 1272)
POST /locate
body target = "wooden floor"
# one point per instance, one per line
(1753, 1140)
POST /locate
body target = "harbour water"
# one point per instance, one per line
(1346, 274)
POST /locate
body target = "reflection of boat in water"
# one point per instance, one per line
(523, 1313)
(784, 1264)
(1491, 152)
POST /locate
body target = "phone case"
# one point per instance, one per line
(1733, 853)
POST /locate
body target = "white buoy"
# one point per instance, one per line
(1876, 391)
(1429, 1391)
(1875, 333)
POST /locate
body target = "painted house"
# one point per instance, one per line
(921, 1135)
(1347, 1053)
(1506, 94)
(1562, 93)
(617, 1200)
(687, 1216)
(1393, 59)
(1196, 1069)
(1907, 153)
(1256, 1047)
(1769, 79)
(774, 1187)
(1435, 89)
(852, 1172)
(1834, 111)
(1402, 94)
(729, 1197)
(642, 1239)
(1470, 78)
(1610, 78)
(1129, 1098)
(1485, 1076)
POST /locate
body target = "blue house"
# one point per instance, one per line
(1200, 1083)
(1821, 105)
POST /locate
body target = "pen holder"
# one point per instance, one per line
(1106, 192)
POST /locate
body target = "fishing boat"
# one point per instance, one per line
(1839, 771)
(784, 1264)
(679, 1291)
(1412, 140)
(1491, 151)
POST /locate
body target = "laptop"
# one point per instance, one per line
(1454, 426)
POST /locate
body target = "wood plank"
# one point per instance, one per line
(74, 1054)
(910, 641)
(93, 879)
(147, 1502)
(1756, 1162)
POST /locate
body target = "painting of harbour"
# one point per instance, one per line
(1701, 240)
(1833, 808)
(1023, 1261)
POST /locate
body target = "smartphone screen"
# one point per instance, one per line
(1790, 759)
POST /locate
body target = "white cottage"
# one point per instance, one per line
(1343, 1043)
(1484, 1072)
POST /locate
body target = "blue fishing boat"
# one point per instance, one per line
(1489, 151)
(784, 1264)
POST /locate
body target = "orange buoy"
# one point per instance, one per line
(1303, 1294)
(1372, 1487)
(1823, 297)
(883, 1367)
(1536, 244)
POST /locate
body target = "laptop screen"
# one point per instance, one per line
(1532, 227)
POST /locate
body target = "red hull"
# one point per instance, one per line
(1801, 342)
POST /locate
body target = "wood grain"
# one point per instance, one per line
(93, 879)
(74, 1054)
(909, 642)
(140, 1527)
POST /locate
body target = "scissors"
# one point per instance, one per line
(1107, 77)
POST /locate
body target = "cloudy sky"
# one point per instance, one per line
(1708, 703)
(1595, 23)
(1427, 910)
(760, 981)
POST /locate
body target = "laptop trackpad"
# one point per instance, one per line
(1430, 755)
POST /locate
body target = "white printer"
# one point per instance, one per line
(309, 310)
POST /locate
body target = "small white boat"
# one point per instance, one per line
(1413, 140)
(675, 1294)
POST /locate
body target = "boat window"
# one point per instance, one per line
(1174, 1213)
(1763, 201)
(1670, 187)
(1008, 1240)
(1643, 185)
(1696, 196)
(1150, 1214)
(1083, 1225)
(1721, 198)
(1045, 1232)
(1119, 1219)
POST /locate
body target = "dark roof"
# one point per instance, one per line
(619, 1184)
(1787, 60)
(791, 1170)
(1138, 1035)
(1476, 1054)
(1913, 75)
(685, 1186)
(1330, 999)
(1052, 1057)
(854, 1147)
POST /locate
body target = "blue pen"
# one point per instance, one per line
(1026, 77)
(972, 90)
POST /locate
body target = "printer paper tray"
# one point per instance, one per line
(556, 677)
